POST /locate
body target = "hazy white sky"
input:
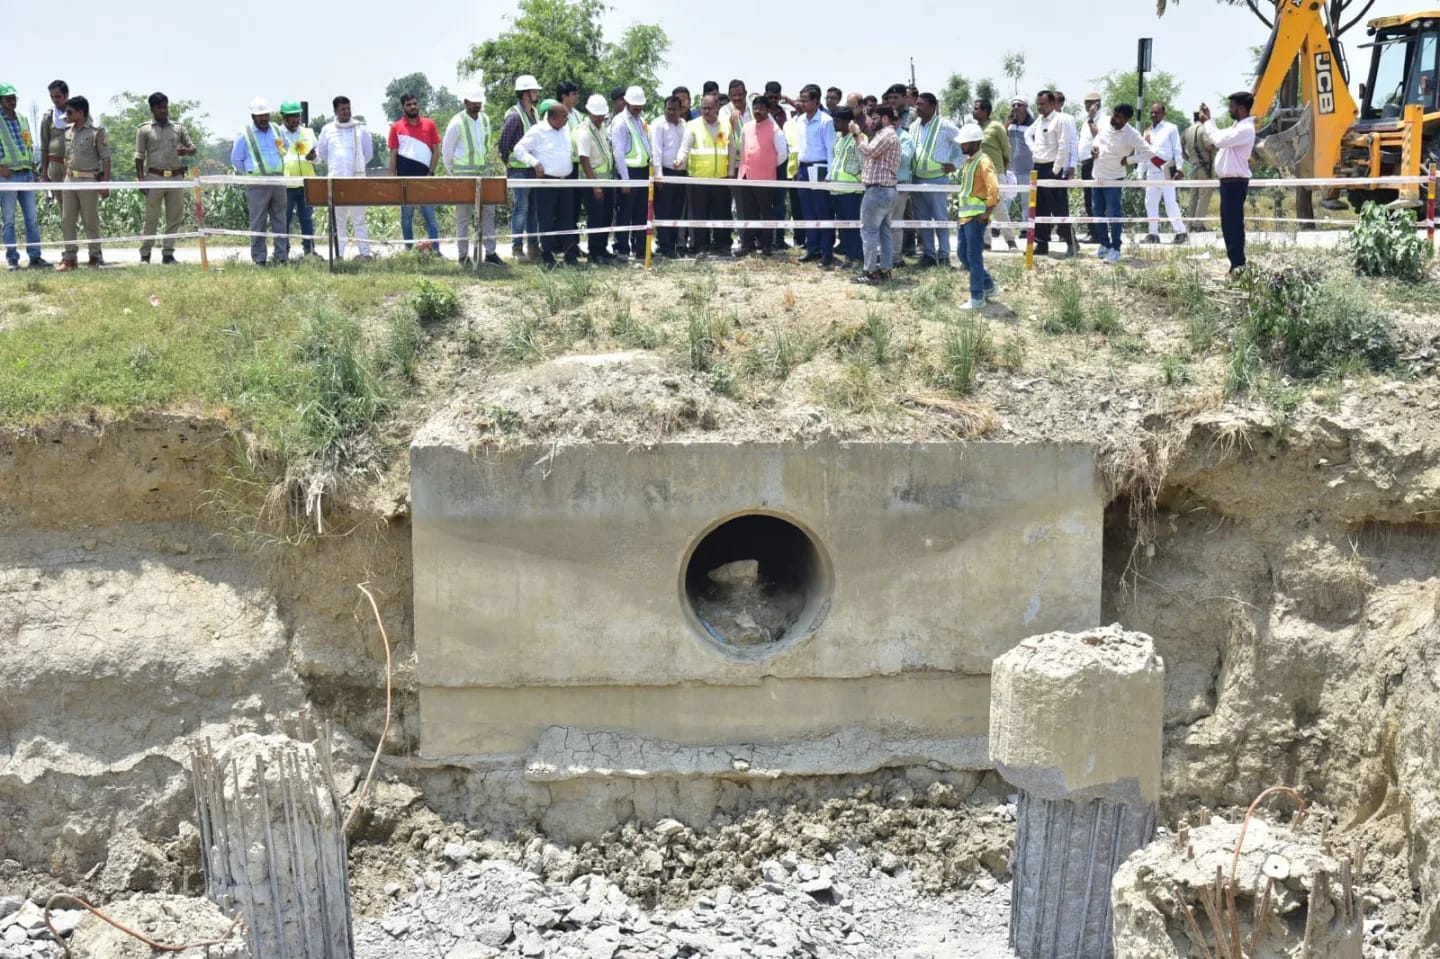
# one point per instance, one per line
(215, 53)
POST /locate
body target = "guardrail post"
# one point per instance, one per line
(1031, 201)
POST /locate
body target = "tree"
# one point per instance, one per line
(1340, 15)
(1122, 86)
(434, 102)
(955, 98)
(556, 40)
(986, 90)
(1014, 68)
(129, 110)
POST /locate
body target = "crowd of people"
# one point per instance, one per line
(864, 147)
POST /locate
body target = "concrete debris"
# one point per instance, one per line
(852, 908)
(173, 920)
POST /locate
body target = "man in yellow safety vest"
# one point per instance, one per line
(17, 165)
(300, 143)
(465, 152)
(706, 153)
(979, 195)
(524, 218)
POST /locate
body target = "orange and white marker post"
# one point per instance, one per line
(1030, 215)
(650, 219)
(200, 221)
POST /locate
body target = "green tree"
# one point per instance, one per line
(128, 110)
(1014, 68)
(955, 98)
(986, 90)
(556, 40)
(1122, 86)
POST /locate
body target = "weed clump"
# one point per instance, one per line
(434, 302)
(1386, 243)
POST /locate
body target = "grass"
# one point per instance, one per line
(966, 347)
(880, 333)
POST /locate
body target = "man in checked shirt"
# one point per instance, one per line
(881, 152)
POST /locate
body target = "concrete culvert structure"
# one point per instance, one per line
(756, 582)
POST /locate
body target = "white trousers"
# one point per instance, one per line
(1154, 195)
(464, 218)
(355, 217)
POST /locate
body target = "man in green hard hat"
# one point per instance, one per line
(300, 143)
(17, 165)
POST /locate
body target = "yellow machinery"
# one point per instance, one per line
(1393, 129)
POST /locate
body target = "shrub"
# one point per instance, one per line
(1386, 243)
(434, 302)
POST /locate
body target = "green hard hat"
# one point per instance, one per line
(7, 90)
(545, 106)
(289, 107)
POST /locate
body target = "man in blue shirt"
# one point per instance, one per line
(258, 152)
(817, 151)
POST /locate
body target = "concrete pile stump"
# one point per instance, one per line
(1291, 900)
(273, 845)
(1076, 724)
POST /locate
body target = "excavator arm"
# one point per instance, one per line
(1312, 147)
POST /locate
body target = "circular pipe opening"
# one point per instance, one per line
(756, 583)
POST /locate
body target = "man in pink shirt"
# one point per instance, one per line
(763, 148)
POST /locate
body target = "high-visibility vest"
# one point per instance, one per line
(525, 124)
(794, 136)
(601, 136)
(844, 152)
(639, 153)
(472, 160)
(925, 166)
(257, 159)
(13, 154)
(970, 205)
(572, 123)
(709, 156)
(292, 157)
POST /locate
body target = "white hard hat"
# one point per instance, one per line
(597, 105)
(635, 96)
(970, 133)
(259, 107)
(475, 95)
(526, 82)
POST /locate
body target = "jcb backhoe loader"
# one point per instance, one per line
(1393, 131)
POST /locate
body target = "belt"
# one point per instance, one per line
(166, 173)
(869, 185)
(814, 163)
(83, 175)
(54, 159)
(1234, 179)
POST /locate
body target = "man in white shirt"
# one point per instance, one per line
(1164, 139)
(465, 152)
(346, 149)
(1232, 167)
(1052, 141)
(1115, 145)
(545, 148)
(666, 134)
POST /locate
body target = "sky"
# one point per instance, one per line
(312, 51)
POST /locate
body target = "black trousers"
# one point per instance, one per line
(669, 205)
(757, 203)
(555, 209)
(1233, 192)
(1050, 201)
(710, 203)
(599, 214)
(630, 211)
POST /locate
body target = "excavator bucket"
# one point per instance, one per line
(1286, 151)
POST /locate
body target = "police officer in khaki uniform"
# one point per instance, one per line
(87, 158)
(52, 136)
(159, 146)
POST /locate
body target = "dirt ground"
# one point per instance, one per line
(1280, 545)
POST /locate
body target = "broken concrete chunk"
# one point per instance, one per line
(744, 573)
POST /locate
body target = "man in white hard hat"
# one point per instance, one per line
(524, 223)
(259, 151)
(978, 197)
(465, 152)
(630, 135)
(597, 162)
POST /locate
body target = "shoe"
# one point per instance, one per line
(168, 260)
(95, 262)
(1011, 244)
(972, 305)
(39, 263)
(13, 266)
(67, 266)
(827, 262)
(886, 276)
(867, 279)
(944, 261)
(365, 258)
(1181, 239)
(494, 259)
(144, 257)
(1042, 249)
(466, 262)
(1103, 252)
(1151, 238)
(927, 262)
(532, 252)
(809, 258)
(1113, 256)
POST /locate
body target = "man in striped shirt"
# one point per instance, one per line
(882, 160)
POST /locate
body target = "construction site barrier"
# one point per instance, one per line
(337, 192)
